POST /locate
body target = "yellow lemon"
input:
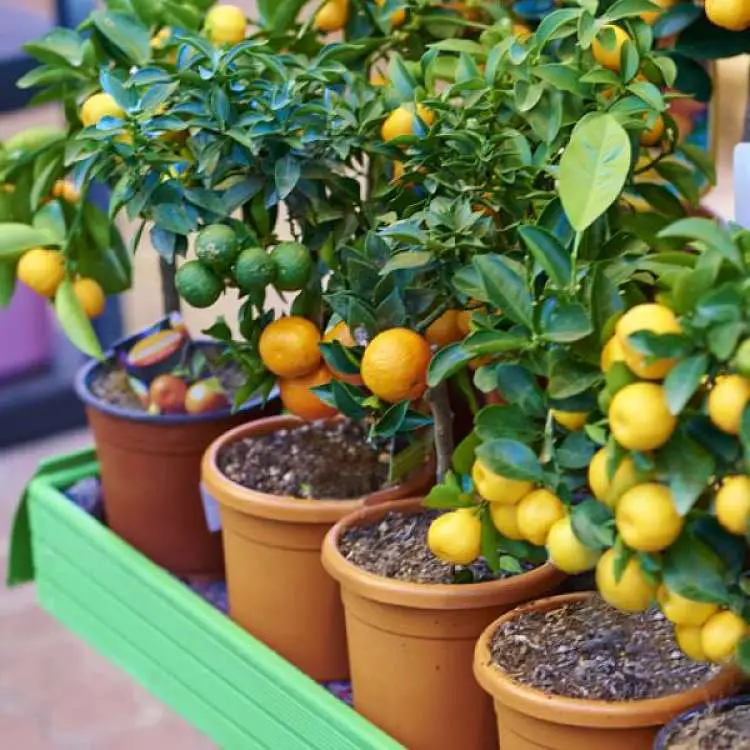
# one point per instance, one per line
(648, 317)
(566, 552)
(721, 634)
(607, 46)
(537, 513)
(647, 519)
(332, 16)
(226, 24)
(688, 638)
(41, 270)
(682, 611)
(98, 106)
(609, 491)
(571, 420)
(612, 352)
(90, 296)
(505, 520)
(732, 506)
(729, 14)
(495, 488)
(456, 537)
(639, 417)
(634, 592)
(727, 401)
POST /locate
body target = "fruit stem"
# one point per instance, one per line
(169, 295)
(442, 417)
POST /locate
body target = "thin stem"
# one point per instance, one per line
(442, 417)
(169, 295)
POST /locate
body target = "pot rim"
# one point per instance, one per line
(577, 711)
(232, 495)
(83, 378)
(441, 596)
(720, 706)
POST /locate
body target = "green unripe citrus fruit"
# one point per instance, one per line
(293, 266)
(198, 285)
(216, 247)
(254, 269)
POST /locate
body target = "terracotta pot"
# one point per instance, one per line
(411, 645)
(150, 470)
(529, 719)
(276, 585)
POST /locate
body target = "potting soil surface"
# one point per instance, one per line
(87, 495)
(592, 651)
(714, 730)
(396, 547)
(318, 460)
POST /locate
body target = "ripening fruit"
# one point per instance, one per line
(683, 611)
(654, 134)
(226, 24)
(290, 346)
(607, 46)
(98, 106)
(571, 420)
(639, 417)
(634, 592)
(729, 14)
(647, 519)
(626, 476)
(496, 488)
(654, 318)
(505, 520)
(732, 506)
(456, 537)
(537, 513)
(90, 296)
(727, 401)
(332, 16)
(444, 330)
(397, 17)
(41, 270)
(612, 352)
(566, 552)
(721, 634)
(688, 638)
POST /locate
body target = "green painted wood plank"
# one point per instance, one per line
(238, 708)
(131, 659)
(176, 613)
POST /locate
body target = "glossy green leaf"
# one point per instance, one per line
(130, 36)
(594, 524)
(511, 459)
(74, 323)
(693, 570)
(497, 421)
(15, 239)
(683, 380)
(565, 322)
(446, 362)
(689, 468)
(548, 252)
(7, 282)
(286, 174)
(708, 232)
(505, 288)
(593, 169)
(407, 260)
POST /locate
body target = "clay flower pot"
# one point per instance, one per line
(529, 719)
(276, 585)
(411, 644)
(150, 470)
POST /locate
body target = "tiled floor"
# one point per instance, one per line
(55, 692)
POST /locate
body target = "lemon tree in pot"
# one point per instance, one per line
(511, 231)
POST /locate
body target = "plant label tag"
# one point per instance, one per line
(210, 510)
(742, 184)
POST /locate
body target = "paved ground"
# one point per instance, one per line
(55, 692)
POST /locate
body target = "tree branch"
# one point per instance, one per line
(169, 295)
(442, 417)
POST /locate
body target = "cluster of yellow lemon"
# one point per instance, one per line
(519, 511)
(334, 14)
(43, 270)
(394, 364)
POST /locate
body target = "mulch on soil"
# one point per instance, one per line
(714, 730)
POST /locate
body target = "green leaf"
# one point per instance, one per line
(50, 219)
(511, 459)
(59, 46)
(593, 169)
(683, 380)
(661, 198)
(74, 323)
(15, 239)
(286, 174)
(505, 288)
(708, 232)
(339, 358)
(593, 524)
(700, 160)
(390, 423)
(7, 282)
(693, 570)
(490, 540)
(518, 386)
(627, 9)
(575, 452)
(557, 24)
(445, 496)
(407, 260)
(564, 322)
(689, 468)
(131, 37)
(497, 421)
(569, 378)
(401, 79)
(548, 252)
(448, 361)
(494, 342)
(465, 453)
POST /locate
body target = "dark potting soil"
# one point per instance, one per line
(332, 461)
(592, 651)
(396, 547)
(714, 730)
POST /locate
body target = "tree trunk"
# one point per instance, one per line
(443, 427)
(170, 297)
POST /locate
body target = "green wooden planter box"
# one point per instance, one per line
(224, 682)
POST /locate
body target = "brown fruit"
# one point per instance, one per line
(168, 393)
(206, 396)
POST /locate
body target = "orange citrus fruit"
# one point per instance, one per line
(300, 400)
(651, 317)
(289, 347)
(607, 46)
(727, 401)
(729, 14)
(397, 17)
(394, 366)
(652, 16)
(41, 270)
(654, 134)
(66, 190)
(332, 16)
(444, 330)
(90, 296)
(98, 106)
